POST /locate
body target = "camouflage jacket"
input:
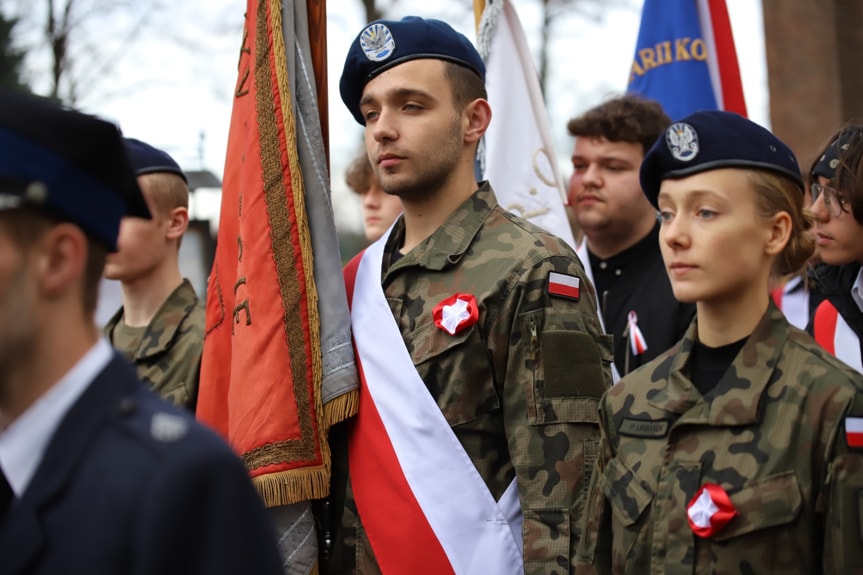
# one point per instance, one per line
(771, 434)
(168, 358)
(520, 387)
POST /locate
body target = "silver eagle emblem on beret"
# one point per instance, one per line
(377, 42)
(682, 141)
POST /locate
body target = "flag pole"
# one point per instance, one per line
(478, 7)
(317, 14)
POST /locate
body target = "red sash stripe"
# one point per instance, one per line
(401, 537)
(824, 326)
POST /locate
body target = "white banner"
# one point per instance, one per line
(517, 155)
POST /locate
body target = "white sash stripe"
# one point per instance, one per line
(846, 344)
(478, 534)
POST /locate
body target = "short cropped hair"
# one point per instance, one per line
(167, 191)
(466, 85)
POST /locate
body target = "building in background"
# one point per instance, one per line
(815, 72)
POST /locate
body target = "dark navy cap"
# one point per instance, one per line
(836, 152)
(387, 43)
(70, 164)
(710, 140)
(149, 160)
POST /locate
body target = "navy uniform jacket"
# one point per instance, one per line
(132, 485)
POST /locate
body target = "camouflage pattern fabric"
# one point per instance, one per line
(520, 387)
(168, 359)
(771, 434)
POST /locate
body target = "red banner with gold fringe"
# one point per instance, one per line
(262, 369)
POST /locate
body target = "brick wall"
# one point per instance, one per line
(814, 54)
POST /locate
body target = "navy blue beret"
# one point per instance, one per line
(710, 140)
(387, 43)
(70, 164)
(149, 160)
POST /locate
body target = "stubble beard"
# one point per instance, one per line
(430, 177)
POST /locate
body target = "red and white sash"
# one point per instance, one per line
(793, 299)
(422, 502)
(834, 334)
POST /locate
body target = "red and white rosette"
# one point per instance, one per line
(710, 510)
(455, 313)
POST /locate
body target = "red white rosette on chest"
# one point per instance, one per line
(455, 313)
(710, 510)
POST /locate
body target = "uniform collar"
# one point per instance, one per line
(23, 443)
(159, 333)
(736, 398)
(451, 240)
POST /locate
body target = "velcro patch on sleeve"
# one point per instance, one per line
(563, 285)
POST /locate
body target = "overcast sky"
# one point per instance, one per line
(180, 99)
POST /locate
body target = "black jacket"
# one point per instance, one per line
(834, 283)
(643, 287)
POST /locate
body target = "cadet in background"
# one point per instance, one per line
(160, 327)
(379, 208)
(836, 181)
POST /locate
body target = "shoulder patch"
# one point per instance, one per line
(854, 432)
(564, 285)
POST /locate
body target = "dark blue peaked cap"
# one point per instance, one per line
(67, 163)
(149, 160)
(710, 140)
(387, 43)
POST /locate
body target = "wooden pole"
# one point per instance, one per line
(478, 7)
(317, 12)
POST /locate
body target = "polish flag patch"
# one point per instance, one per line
(563, 285)
(456, 313)
(854, 432)
(710, 510)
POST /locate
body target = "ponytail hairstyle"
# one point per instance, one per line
(776, 193)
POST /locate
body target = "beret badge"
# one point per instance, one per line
(377, 42)
(682, 141)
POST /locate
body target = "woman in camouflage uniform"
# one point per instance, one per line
(736, 451)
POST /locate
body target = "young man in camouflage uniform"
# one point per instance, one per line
(740, 450)
(160, 327)
(481, 351)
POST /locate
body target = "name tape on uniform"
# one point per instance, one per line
(644, 427)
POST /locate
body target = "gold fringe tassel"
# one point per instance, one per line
(289, 487)
(340, 408)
